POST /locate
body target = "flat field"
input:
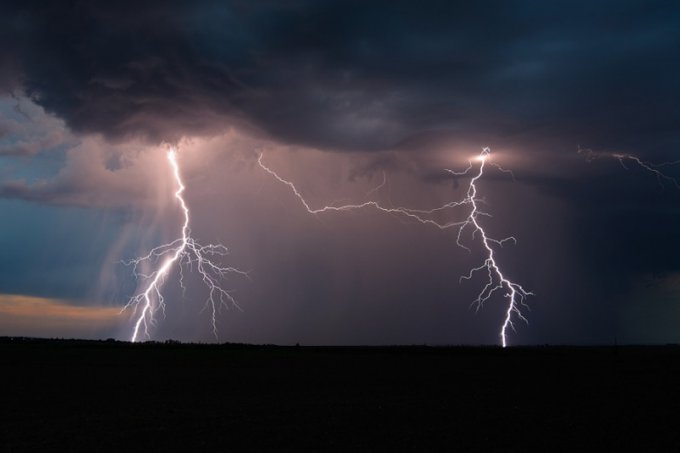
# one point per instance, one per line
(111, 396)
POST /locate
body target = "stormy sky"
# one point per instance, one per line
(340, 96)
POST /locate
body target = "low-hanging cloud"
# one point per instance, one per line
(354, 75)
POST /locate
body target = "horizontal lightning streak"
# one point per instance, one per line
(497, 281)
(624, 157)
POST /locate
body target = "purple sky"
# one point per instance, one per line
(336, 96)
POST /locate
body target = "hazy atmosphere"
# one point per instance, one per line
(352, 102)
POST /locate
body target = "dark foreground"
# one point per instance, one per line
(99, 396)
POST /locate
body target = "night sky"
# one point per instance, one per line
(336, 96)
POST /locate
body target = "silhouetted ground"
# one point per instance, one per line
(111, 396)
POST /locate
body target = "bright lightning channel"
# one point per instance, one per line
(183, 251)
(496, 279)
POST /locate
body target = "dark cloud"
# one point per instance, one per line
(418, 84)
(356, 75)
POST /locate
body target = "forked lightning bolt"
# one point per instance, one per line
(183, 251)
(496, 280)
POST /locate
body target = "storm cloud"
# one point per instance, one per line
(337, 94)
(355, 75)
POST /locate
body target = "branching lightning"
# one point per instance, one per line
(648, 166)
(496, 281)
(183, 251)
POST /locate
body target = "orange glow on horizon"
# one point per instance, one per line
(30, 315)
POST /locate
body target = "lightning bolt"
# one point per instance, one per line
(184, 251)
(648, 166)
(496, 280)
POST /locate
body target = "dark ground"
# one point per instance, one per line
(110, 396)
